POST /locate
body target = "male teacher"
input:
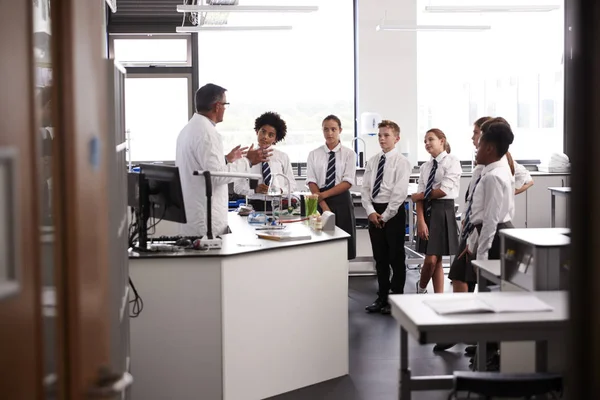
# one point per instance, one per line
(200, 147)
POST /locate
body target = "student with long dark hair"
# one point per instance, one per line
(439, 184)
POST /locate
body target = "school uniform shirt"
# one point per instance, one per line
(345, 165)
(447, 176)
(394, 185)
(493, 203)
(200, 147)
(522, 175)
(279, 163)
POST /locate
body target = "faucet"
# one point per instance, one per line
(360, 161)
(270, 192)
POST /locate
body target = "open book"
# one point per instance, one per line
(282, 235)
(500, 304)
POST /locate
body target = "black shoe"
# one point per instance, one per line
(443, 346)
(386, 309)
(376, 306)
(470, 350)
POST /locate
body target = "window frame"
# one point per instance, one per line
(152, 36)
(163, 75)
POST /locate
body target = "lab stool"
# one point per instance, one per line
(495, 384)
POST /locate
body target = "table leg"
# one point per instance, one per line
(541, 356)
(481, 359)
(411, 220)
(482, 283)
(553, 207)
(405, 377)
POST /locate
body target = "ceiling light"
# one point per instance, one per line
(261, 9)
(433, 28)
(497, 8)
(188, 29)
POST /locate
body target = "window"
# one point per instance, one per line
(156, 109)
(304, 74)
(513, 70)
(163, 50)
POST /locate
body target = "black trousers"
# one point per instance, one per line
(388, 250)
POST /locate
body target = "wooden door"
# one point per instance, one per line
(20, 309)
(92, 269)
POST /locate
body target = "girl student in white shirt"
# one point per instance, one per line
(492, 203)
(270, 129)
(383, 193)
(439, 183)
(330, 173)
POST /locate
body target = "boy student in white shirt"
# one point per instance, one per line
(439, 183)
(270, 129)
(383, 193)
(331, 171)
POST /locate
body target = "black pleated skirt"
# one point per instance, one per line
(443, 230)
(343, 208)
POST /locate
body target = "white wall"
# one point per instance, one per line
(387, 68)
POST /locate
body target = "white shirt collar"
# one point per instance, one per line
(335, 149)
(389, 153)
(440, 156)
(497, 164)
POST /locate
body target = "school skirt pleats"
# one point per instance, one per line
(343, 208)
(462, 269)
(443, 231)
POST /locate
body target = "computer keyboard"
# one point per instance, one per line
(171, 239)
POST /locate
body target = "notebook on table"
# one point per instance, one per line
(501, 304)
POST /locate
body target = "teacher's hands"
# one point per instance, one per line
(259, 155)
(236, 153)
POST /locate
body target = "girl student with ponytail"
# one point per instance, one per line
(436, 222)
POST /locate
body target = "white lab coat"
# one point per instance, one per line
(200, 147)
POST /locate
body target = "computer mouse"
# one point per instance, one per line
(183, 243)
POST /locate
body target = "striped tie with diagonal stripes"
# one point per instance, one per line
(330, 174)
(379, 176)
(468, 227)
(266, 173)
(429, 187)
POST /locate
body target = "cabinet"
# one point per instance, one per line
(539, 213)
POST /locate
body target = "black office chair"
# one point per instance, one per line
(495, 384)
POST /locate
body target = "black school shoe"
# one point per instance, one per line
(377, 306)
(443, 346)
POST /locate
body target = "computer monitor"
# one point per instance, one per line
(155, 192)
(164, 192)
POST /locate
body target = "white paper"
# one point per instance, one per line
(459, 306)
(518, 303)
(491, 304)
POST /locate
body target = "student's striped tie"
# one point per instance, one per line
(330, 174)
(379, 176)
(266, 173)
(429, 187)
(468, 227)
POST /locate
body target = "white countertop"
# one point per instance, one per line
(427, 326)
(541, 237)
(492, 267)
(243, 240)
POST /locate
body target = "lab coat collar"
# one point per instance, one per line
(208, 119)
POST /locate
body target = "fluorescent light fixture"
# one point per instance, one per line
(188, 29)
(490, 9)
(433, 28)
(247, 9)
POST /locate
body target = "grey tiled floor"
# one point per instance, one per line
(374, 354)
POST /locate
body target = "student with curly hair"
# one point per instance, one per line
(270, 129)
